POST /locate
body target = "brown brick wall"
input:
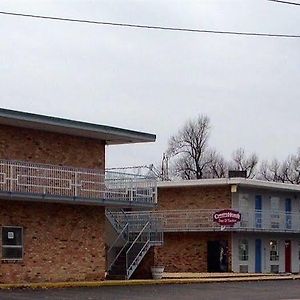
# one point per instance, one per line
(194, 198)
(52, 148)
(187, 252)
(61, 242)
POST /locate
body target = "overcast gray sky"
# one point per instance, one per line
(155, 80)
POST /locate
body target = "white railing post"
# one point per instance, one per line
(76, 184)
(11, 178)
(131, 190)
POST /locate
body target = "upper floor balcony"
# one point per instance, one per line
(52, 183)
(202, 220)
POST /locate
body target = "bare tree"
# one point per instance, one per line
(189, 149)
(271, 171)
(287, 171)
(218, 166)
(291, 168)
(242, 162)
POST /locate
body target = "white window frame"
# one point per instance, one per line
(274, 253)
(245, 243)
(244, 206)
(275, 216)
(12, 246)
(275, 204)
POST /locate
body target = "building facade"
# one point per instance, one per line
(54, 191)
(264, 240)
(267, 238)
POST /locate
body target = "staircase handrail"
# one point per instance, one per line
(134, 242)
(133, 262)
(114, 243)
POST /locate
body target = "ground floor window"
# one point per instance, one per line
(243, 250)
(274, 251)
(12, 243)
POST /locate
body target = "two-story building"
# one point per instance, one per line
(265, 240)
(54, 190)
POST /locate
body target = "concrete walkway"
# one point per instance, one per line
(216, 275)
(169, 278)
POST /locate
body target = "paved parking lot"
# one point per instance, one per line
(274, 290)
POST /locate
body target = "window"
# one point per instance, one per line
(244, 209)
(243, 250)
(12, 243)
(258, 208)
(243, 201)
(274, 253)
(274, 203)
(275, 218)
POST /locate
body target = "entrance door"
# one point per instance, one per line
(217, 260)
(258, 256)
(288, 251)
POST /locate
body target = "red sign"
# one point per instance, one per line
(227, 217)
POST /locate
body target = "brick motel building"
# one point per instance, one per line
(53, 194)
(265, 239)
(63, 217)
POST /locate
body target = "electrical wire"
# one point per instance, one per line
(284, 2)
(240, 33)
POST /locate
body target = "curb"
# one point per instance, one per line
(53, 285)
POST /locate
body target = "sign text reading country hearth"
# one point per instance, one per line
(227, 217)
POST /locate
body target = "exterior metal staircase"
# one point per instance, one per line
(135, 238)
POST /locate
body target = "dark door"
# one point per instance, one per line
(217, 260)
(288, 256)
(258, 256)
(258, 207)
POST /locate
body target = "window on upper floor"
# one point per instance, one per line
(12, 243)
(243, 250)
(274, 203)
(274, 250)
(244, 201)
(244, 209)
(274, 216)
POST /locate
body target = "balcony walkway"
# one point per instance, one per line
(52, 183)
(201, 220)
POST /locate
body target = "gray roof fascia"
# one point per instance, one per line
(251, 183)
(111, 135)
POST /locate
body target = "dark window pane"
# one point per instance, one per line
(12, 236)
(11, 253)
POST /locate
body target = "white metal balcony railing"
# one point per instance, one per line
(202, 220)
(88, 184)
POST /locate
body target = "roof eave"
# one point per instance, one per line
(111, 135)
(243, 182)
